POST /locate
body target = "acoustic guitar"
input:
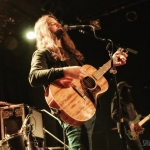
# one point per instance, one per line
(76, 99)
(133, 135)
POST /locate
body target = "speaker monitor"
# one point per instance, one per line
(11, 119)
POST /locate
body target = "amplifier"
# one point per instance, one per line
(11, 119)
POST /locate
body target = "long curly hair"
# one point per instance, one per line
(45, 39)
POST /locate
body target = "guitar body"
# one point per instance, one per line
(76, 99)
(133, 135)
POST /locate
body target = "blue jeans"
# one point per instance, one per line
(79, 138)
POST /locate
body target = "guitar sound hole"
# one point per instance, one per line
(89, 82)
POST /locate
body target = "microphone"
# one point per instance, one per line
(66, 27)
(127, 49)
(132, 51)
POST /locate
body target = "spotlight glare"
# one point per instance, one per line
(30, 35)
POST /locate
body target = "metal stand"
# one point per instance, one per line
(43, 110)
(55, 137)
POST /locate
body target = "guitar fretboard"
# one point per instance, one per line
(102, 70)
(144, 120)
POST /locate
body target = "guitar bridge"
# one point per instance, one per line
(79, 92)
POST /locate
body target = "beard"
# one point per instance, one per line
(59, 33)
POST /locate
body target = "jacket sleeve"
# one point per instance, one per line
(40, 72)
(114, 110)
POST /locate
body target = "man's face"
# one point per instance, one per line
(55, 27)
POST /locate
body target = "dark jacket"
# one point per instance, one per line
(128, 111)
(44, 69)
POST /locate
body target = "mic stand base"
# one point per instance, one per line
(65, 146)
(55, 138)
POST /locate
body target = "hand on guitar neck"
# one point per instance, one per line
(119, 57)
(78, 72)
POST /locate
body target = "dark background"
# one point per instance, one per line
(125, 22)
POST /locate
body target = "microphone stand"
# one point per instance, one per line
(109, 48)
(113, 71)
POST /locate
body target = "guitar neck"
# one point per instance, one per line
(144, 120)
(102, 70)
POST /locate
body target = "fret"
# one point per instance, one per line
(102, 70)
(144, 120)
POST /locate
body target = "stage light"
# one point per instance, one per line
(131, 16)
(11, 43)
(30, 35)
